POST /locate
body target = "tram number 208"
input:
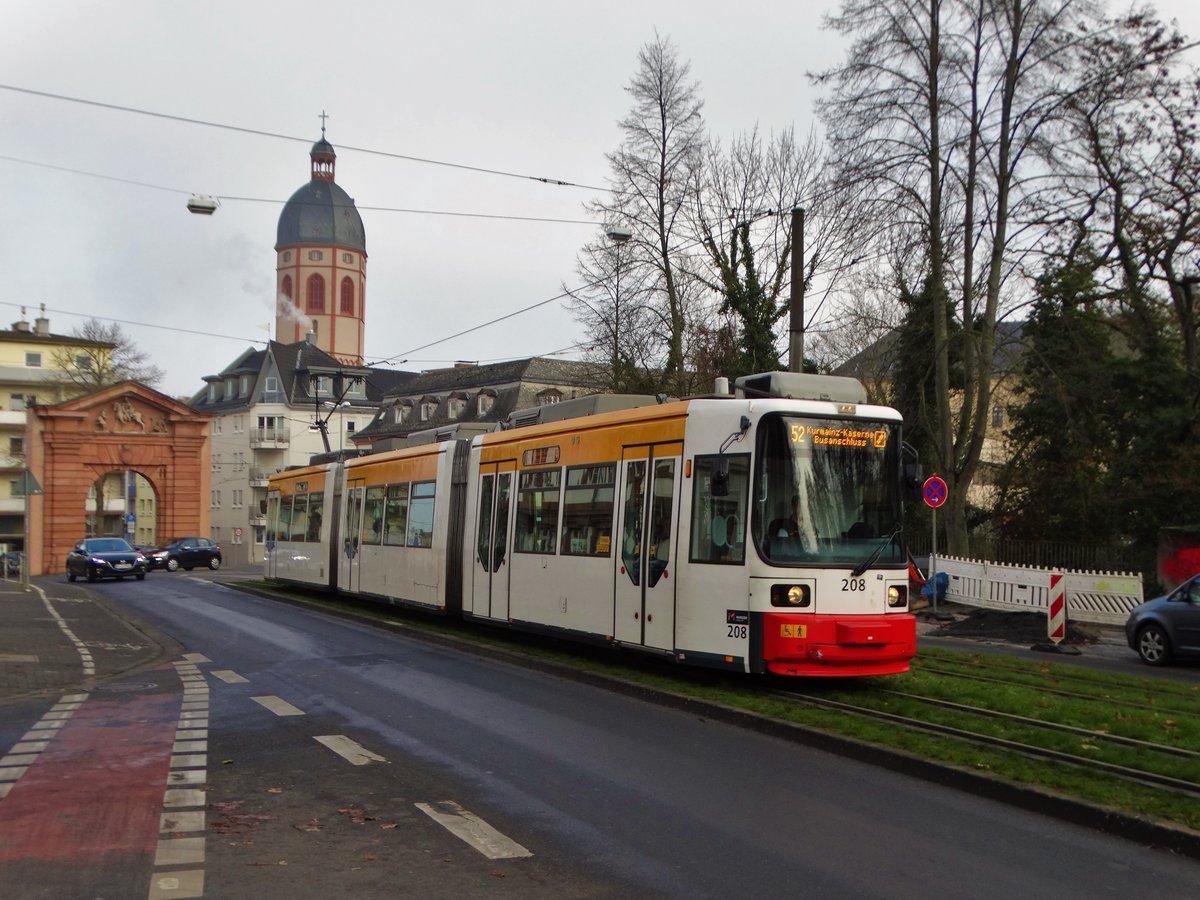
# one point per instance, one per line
(737, 631)
(854, 584)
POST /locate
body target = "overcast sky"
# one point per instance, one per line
(529, 88)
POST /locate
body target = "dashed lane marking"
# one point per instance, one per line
(278, 706)
(468, 827)
(230, 677)
(351, 751)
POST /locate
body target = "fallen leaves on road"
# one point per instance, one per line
(310, 825)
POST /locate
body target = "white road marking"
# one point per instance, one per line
(17, 658)
(177, 885)
(230, 677)
(179, 851)
(196, 658)
(182, 820)
(351, 751)
(473, 830)
(278, 706)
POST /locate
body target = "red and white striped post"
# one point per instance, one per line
(1056, 612)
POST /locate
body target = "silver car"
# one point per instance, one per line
(1167, 627)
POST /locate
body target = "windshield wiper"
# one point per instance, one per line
(857, 571)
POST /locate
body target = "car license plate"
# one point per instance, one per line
(123, 565)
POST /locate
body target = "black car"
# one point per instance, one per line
(187, 553)
(12, 564)
(95, 558)
(1167, 628)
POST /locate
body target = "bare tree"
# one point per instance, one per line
(941, 114)
(742, 220)
(108, 357)
(652, 173)
(613, 308)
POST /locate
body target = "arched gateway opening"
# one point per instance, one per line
(126, 428)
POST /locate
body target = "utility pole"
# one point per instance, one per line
(796, 327)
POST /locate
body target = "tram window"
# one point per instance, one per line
(420, 515)
(316, 503)
(372, 522)
(299, 517)
(285, 518)
(395, 519)
(718, 532)
(273, 517)
(588, 511)
(537, 511)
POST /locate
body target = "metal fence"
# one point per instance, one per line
(1098, 597)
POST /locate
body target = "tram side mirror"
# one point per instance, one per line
(914, 478)
(719, 487)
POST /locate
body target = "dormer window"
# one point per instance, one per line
(483, 404)
(401, 410)
(428, 408)
(549, 396)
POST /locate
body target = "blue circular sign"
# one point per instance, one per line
(935, 491)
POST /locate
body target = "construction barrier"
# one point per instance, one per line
(1102, 598)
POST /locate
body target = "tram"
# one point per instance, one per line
(758, 532)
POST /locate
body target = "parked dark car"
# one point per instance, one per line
(187, 553)
(1167, 628)
(95, 558)
(12, 563)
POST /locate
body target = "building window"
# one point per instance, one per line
(16, 446)
(272, 385)
(428, 408)
(997, 416)
(315, 255)
(350, 426)
(244, 386)
(316, 294)
(400, 413)
(547, 397)
(347, 258)
(347, 297)
(287, 257)
(485, 403)
(214, 392)
(286, 287)
(16, 402)
(33, 359)
(83, 362)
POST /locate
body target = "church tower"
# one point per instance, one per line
(321, 263)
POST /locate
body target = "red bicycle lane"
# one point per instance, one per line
(85, 812)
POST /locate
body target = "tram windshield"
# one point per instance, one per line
(827, 491)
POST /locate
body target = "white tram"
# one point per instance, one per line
(759, 533)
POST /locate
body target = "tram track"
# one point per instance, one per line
(1024, 680)
(1142, 776)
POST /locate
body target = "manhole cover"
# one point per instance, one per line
(126, 687)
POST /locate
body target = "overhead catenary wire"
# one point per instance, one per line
(555, 182)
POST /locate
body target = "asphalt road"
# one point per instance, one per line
(316, 756)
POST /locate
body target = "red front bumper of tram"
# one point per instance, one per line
(838, 646)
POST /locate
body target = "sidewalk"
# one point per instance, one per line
(58, 636)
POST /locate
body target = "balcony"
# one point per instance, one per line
(269, 439)
(260, 520)
(259, 479)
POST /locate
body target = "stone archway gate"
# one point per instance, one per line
(125, 426)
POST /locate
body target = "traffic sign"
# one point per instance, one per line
(934, 491)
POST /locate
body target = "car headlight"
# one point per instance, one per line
(897, 595)
(97, 562)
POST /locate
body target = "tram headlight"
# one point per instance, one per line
(897, 595)
(791, 595)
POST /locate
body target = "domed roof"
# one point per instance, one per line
(321, 213)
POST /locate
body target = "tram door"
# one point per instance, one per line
(490, 567)
(272, 533)
(348, 558)
(645, 592)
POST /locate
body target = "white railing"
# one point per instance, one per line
(1103, 598)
